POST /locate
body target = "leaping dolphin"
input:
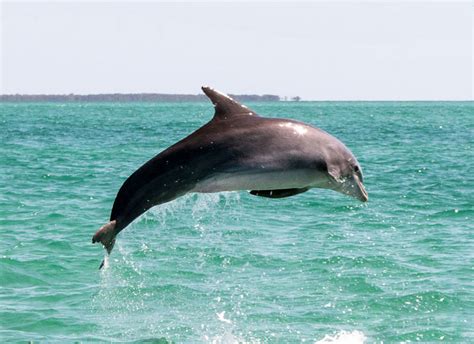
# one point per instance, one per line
(237, 150)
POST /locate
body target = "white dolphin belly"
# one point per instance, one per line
(260, 181)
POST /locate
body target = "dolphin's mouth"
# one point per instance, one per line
(362, 194)
(353, 186)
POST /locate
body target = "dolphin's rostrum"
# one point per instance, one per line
(237, 150)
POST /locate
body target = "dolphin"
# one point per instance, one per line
(237, 150)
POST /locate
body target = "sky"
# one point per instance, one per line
(353, 50)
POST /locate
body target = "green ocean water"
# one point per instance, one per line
(232, 267)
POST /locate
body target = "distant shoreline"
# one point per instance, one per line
(132, 97)
(187, 98)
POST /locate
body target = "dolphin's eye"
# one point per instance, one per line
(356, 168)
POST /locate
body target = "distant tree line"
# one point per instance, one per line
(130, 97)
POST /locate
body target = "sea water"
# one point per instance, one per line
(318, 267)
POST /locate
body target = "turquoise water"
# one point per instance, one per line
(234, 267)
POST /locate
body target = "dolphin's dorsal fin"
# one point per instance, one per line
(225, 106)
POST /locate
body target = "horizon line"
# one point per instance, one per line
(281, 98)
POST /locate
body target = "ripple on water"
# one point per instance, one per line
(318, 267)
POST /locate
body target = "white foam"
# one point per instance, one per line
(221, 317)
(344, 337)
(226, 338)
(106, 262)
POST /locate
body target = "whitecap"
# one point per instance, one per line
(344, 337)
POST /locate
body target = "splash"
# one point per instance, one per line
(200, 205)
(226, 338)
(221, 317)
(106, 262)
(344, 337)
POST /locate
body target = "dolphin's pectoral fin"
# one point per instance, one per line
(224, 105)
(278, 193)
(106, 236)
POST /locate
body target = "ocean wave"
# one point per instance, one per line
(343, 337)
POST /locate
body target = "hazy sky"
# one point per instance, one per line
(317, 50)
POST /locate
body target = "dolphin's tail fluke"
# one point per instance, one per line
(106, 236)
